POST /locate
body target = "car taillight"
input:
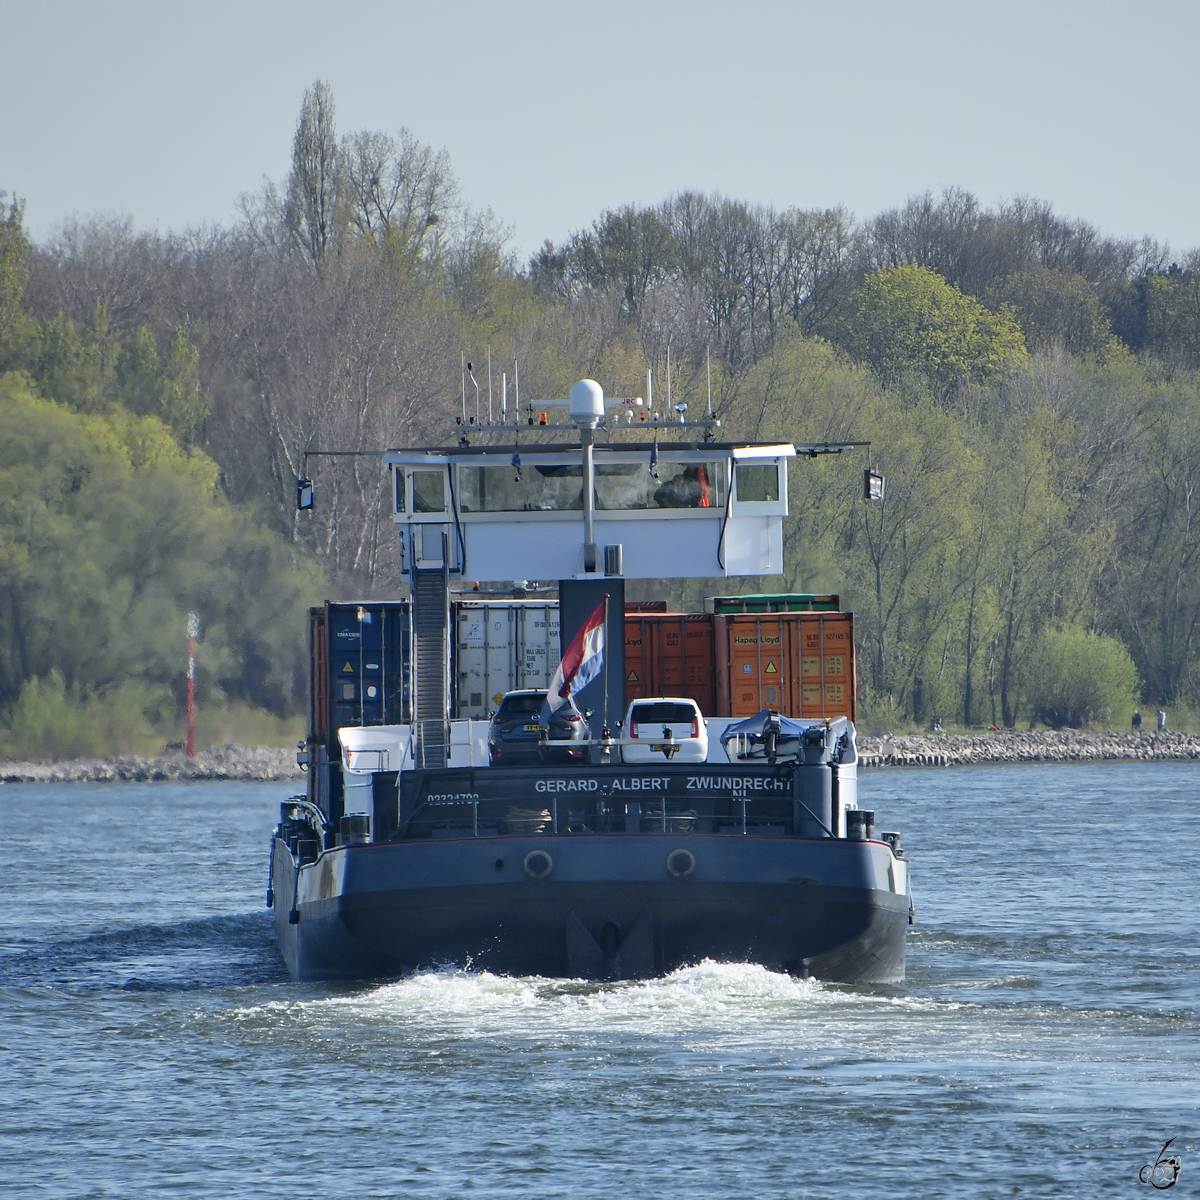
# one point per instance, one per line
(573, 716)
(633, 729)
(498, 719)
(695, 727)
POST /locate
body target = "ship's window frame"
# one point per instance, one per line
(420, 501)
(557, 486)
(746, 476)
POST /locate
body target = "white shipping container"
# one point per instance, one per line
(500, 646)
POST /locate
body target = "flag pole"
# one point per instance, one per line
(606, 658)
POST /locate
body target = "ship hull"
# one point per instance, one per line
(605, 907)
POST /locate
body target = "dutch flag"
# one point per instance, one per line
(582, 662)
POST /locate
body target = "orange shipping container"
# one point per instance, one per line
(799, 664)
(670, 654)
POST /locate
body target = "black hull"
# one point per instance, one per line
(608, 908)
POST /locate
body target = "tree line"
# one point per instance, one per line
(1029, 386)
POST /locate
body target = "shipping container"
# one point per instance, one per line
(500, 646)
(799, 664)
(670, 654)
(645, 606)
(360, 656)
(772, 602)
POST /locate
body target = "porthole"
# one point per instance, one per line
(681, 862)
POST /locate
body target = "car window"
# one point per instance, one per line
(668, 714)
(516, 706)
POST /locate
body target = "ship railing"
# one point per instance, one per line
(559, 815)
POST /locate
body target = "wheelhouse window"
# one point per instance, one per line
(540, 489)
(757, 484)
(679, 485)
(619, 487)
(429, 491)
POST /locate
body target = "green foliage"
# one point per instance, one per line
(138, 383)
(1172, 317)
(223, 724)
(910, 321)
(1074, 676)
(17, 329)
(1054, 309)
(989, 529)
(109, 534)
(1153, 572)
(50, 720)
(179, 400)
(1057, 491)
(93, 368)
(77, 367)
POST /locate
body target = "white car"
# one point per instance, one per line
(666, 729)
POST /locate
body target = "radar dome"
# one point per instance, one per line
(587, 402)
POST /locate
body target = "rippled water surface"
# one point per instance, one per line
(1046, 1043)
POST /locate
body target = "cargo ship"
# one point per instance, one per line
(413, 847)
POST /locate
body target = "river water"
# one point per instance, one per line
(1046, 1043)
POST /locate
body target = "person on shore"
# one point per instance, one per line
(1162, 720)
(1137, 721)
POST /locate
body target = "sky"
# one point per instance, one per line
(552, 112)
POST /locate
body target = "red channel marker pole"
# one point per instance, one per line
(193, 634)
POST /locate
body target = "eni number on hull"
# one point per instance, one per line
(413, 847)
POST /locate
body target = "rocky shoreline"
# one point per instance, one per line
(961, 749)
(249, 763)
(252, 763)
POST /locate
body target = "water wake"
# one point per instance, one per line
(210, 952)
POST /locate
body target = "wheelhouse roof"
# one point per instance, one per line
(536, 449)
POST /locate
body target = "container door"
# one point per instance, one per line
(683, 658)
(501, 646)
(638, 678)
(761, 670)
(471, 662)
(397, 638)
(357, 663)
(825, 648)
(503, 655)
(537, 644)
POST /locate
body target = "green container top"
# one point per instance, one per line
(772, 602)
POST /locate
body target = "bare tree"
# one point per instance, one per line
(399, 192)
(312, 208)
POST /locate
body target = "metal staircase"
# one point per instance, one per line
(431, 651)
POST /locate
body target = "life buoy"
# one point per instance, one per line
(681, 862)
(538, 864)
